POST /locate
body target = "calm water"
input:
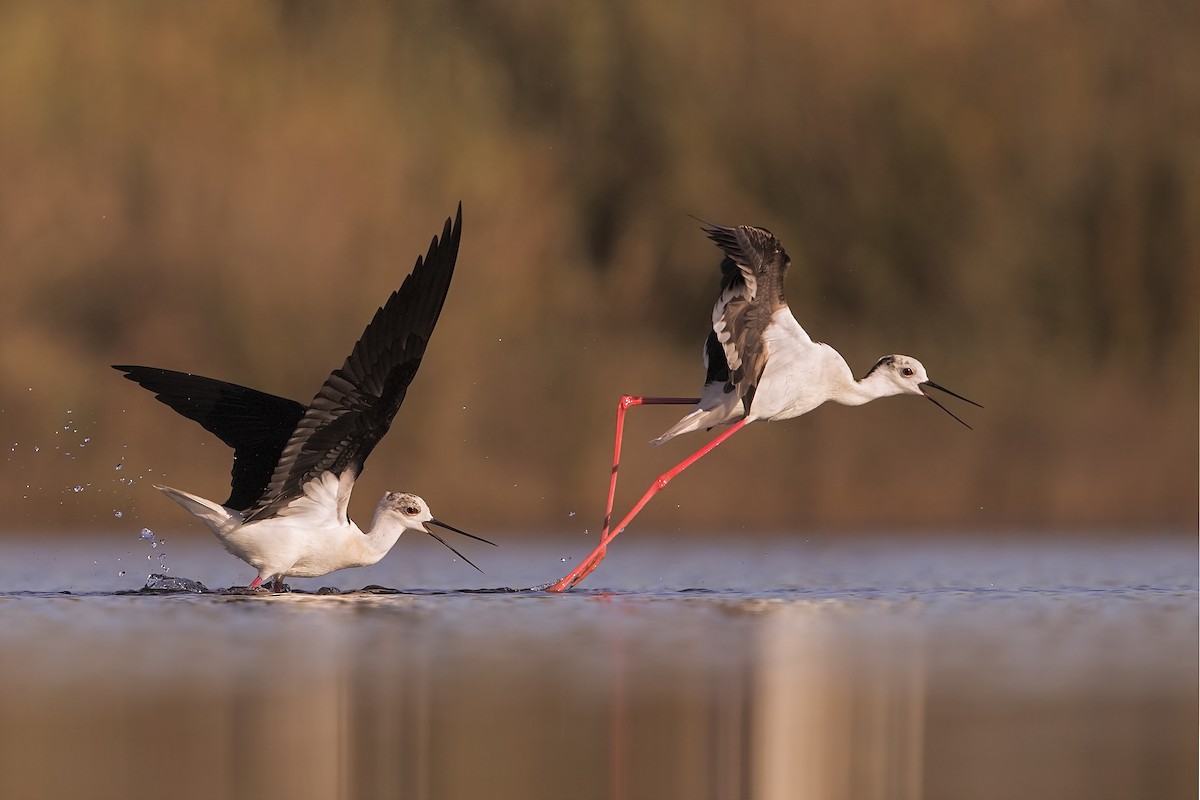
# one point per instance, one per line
(898, 667)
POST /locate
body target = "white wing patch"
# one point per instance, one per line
(721, 326)
(324, 501)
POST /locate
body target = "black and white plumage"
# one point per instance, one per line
(294, 466)
(761, 364)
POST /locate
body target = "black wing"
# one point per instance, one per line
(355, 407)
(752, 275)
(255, 424)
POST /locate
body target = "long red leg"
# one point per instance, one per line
(624, 403)
(593, 560)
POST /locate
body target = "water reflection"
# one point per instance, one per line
(835, 716)
(938, 693)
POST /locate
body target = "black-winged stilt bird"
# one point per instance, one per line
(294, 466)
(760, 365)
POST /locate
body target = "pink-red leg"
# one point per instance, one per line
(276, 583)
(623, 404)
(593, 560)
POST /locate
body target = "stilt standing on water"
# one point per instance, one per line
(760, 365)
(294, 466)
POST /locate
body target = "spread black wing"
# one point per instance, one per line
(354, 408)
(255, 424)
(752, 275)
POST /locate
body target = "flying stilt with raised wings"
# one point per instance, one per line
(760, 364)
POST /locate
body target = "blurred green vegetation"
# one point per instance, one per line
(1006, 190)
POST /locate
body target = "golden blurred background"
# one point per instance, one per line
(1006, 190)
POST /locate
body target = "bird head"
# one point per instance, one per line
(414, 514)
(908, 376)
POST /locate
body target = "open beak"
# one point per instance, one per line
(461, 533)
(933, 385)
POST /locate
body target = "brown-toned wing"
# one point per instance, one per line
(354, 408)
(752, 275)
(760, 259)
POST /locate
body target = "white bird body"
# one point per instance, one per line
(295, 465)
(758, 354)
(760, 364)
(305, 540)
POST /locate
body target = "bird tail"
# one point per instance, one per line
(714, 409)
(218, 518)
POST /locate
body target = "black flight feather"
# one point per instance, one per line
(255, 424)
(354, 408)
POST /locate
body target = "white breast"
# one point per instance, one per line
(796, 378)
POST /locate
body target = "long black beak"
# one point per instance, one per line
(933, 385)
(461, 533)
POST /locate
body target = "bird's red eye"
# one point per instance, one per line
(411, 510)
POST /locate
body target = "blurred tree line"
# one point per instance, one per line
(1007, 191)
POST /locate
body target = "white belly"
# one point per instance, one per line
(288, 546)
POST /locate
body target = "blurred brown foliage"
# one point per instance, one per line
(1006, 190)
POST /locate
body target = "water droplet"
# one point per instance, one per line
(118, 466)
(118, 514)
(121, 573)
(37, 449)
(563, 560)
(146, 533)
(570, 513)
(77, 489)
(86, 439)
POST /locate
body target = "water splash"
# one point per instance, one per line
(164, 583)
(147, 535)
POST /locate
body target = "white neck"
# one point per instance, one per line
(384, 533)
(852, 392)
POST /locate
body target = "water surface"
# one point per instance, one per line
(727, 667)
